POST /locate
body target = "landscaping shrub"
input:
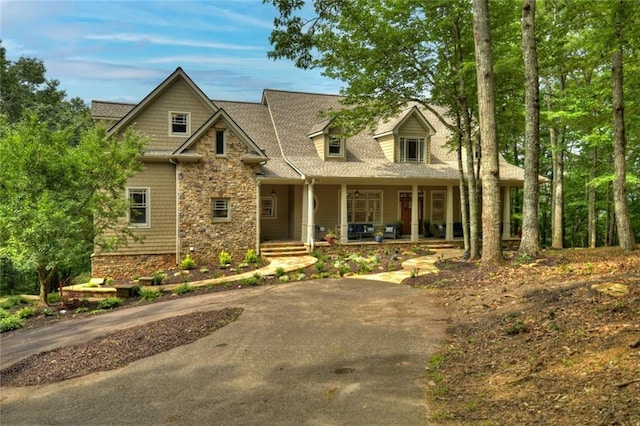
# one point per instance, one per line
(159, 277)
(188, 263)
(13, 301)
(224, 258)
(110, 303)
(148, 294)
(183, 288)
(251, 256)
(11, 322)
(26, 312)
(53, 298)
(280, 271)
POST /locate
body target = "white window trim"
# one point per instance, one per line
(421, 141)
(147, 222)
(443, 194)
(351, 196)
(224, 143)
(341, 140)
(188, 132)
(274, 210)
(221, 219)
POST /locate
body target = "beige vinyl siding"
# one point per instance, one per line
(328, 212)
(387, 143)
(160, 236)
(154, 120)
(413, 128)
(318, 142)
(276, 228)
(296, 206)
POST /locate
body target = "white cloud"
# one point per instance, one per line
(167, 41)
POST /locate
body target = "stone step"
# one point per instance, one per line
(283, 249)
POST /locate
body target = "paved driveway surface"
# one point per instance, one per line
(328, 352)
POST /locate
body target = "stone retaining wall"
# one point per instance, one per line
(126, 266)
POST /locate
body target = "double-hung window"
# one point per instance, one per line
(268, 207)
(138, 207)
(220, 210)
(412, 149)
(335, 146)
(179, 125)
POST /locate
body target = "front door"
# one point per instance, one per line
(405, 211)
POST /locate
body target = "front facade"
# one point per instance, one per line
(222, 175)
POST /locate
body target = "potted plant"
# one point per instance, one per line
(378, 236)
(330, 237)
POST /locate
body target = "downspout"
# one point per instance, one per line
(258, 191)
(175, 163)
(310, 215)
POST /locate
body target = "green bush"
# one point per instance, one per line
(12, 322)
(188, 263)
(53, 297)
(110, 303)
(13, 301)
(284, 278)
(251, 256)
(280, 271)
(4, 313)
(148, 294)
(158, 278)
(224, 258)
(183, 288)
(26, 312)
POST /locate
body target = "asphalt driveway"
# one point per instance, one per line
(326, 352)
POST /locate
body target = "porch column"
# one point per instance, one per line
(304, 215)
(506, 213)
(449, 229)
(344, 226)
(258, 209)
(415, 226)
(311, 235)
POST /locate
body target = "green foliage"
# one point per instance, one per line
(26, 312)
(283, 278)
(184, 288)
(110, 303)
(158, 278)
(204, 271)
(59, 198)
(224, 258)
(188, 263)
(12, 301)
(149, 294)
(280, 271)
(11, 322)
(254, 280)
(251, 256)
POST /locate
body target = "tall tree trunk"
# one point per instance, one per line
(593, 218)
(464, 200)
(491, 238)
(45, 281)
(623, 221)
(530, 242)
(466, 123)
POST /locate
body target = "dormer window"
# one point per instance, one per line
(412, 149)
(335, 146)
(179, 123)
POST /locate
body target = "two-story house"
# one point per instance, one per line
(221, 175)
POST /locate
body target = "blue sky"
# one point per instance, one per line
(120, 50)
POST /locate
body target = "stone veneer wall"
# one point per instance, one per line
(217, 177)
(128, 265)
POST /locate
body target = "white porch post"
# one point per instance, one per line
(344, 226)
(449, 228)
(304, 216)
(258, 194)
(415, 226)
(310, 222)
(506, 213)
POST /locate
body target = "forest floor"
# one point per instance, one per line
(530, 342)
(536, 342)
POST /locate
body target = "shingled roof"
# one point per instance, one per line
(282, 123)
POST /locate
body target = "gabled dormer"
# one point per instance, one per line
(407, 138)
(329, 142)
